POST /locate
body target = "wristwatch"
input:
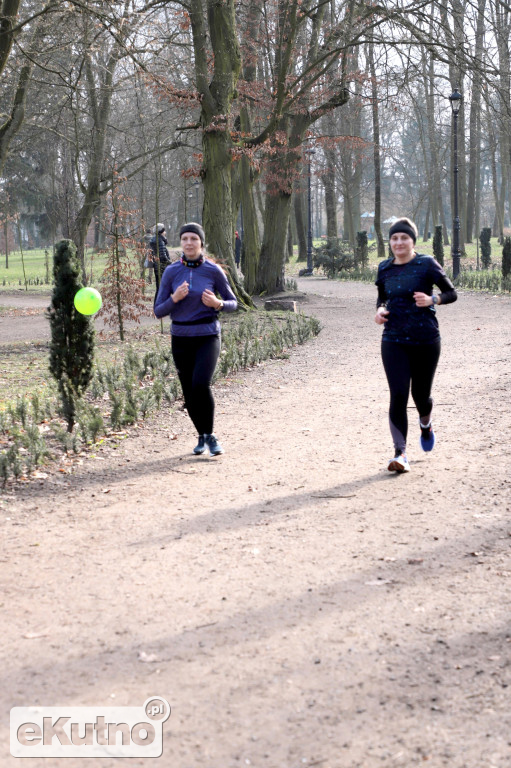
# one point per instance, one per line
(221, 306)
(434, 299)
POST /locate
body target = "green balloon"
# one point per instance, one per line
(88, 301)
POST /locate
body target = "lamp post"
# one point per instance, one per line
(196, 184)
(455, 98)
(309, 152)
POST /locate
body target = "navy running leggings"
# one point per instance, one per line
(195, 358)
(405, 364)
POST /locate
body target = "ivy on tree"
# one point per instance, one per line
(72, 334)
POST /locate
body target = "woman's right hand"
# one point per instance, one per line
(180, 293)
(381, 315)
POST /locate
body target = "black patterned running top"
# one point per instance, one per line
(408, 323)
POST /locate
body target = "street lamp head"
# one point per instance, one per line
(455, 98)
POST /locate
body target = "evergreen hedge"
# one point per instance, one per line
(484, 239)
(506, 259)
(72, 334)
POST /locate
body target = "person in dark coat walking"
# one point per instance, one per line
(160, 256)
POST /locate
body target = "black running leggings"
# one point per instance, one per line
(405, 364)
(195, 358)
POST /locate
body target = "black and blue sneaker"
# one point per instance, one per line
(427, 437)
(200, 447)
(214, 446)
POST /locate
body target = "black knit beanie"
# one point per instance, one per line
(402, 226)
(192, 226)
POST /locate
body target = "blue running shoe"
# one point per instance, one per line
(215, 449)
(427, 437)
(200, 447)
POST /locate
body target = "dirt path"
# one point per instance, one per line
(298, 604)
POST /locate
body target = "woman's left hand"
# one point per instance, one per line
(210, 300)
(422, 299)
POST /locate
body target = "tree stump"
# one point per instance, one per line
(283, 304)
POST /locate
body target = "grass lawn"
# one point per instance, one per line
(36, 265)
(25, 364)
(468, 261)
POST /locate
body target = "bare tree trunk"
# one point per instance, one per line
(8, 13)
(425, 231)
(251, 241)
(376, 154)
(100, 98)
(330, 197)
(455, 41)
(351, 163)
(6, 237)
(270, 276)
(217, 90)
(477, 216)
(356, 184)
(492, 146)
(299, 205)
(329, 177)
(433, 171)
(16, 116)
(474, 123)
(281, 171)
(289, 243)
(68, 197)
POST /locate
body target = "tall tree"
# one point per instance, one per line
(216, 80)
(474, 141)
(13, 121)
(376, 153)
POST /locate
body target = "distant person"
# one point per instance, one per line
(160, 256)
(410, 348)
(237, 249)
(188, 293)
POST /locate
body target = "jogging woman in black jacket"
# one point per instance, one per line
(410, 348)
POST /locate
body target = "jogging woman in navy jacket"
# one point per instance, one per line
(188, 293)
